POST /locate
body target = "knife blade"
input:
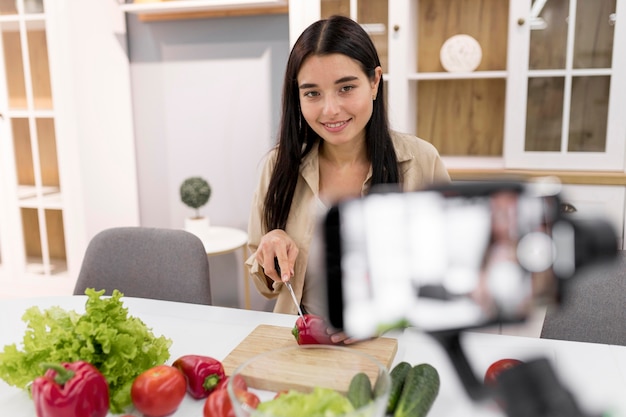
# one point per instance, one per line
(290, 288)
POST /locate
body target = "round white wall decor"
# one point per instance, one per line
(460, 53)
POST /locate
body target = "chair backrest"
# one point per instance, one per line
(593, 307)
(164, 264)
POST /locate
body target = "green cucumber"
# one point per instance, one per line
(360, 390)
(421, 387)
(397, 374)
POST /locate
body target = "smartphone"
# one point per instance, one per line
(459, 256)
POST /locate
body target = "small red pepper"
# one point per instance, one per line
(219, 404)
(311, 330)
(75, 389)
(238, 382)
(202, 373)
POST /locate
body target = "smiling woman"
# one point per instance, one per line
(334, 143)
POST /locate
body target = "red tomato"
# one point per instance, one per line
(158, 391)
(496, 368)
(238, 382)
(218, 403)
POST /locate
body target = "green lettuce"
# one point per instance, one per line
(321, 402)
(119, 345)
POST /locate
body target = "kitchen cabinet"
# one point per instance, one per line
(522, 86)
(67, 168)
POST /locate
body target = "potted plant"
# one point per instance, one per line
(195, 193)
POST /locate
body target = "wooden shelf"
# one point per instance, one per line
(149, 11)
(566, 177)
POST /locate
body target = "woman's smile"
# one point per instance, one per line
(336, 126)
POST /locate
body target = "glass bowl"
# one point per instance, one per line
(322, 372)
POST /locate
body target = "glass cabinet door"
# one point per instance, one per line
(571, 88)
(371, 14)
(32, 181)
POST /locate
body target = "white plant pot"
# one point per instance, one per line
(198, 226)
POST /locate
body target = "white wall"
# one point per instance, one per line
(206, 97)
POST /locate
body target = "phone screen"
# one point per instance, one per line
(455, 257)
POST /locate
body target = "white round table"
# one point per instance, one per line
(220, 240)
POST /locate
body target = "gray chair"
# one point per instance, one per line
(163, 264)
(593, 308)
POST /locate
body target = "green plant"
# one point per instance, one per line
(195, 193)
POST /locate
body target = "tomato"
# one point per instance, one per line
(238, 382)
(496, 368)
(218, 403)
(158, 391)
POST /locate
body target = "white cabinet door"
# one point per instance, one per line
(567, 85)
(33, 238)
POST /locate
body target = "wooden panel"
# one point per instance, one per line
(544, 114)
(48, 152)
(252, 11)
(548, 46)
(32, 238)
(593, 42)
(23, 152)
(462, 117)
(40, 69)
(277, 376)
(485, 20)
(56, 234)
(331, 7)
(566, 177)
(8, 7)
(377, 11)
(14, 70)
(589, 114)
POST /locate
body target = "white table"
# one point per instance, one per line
(220, 240)
(595, 373)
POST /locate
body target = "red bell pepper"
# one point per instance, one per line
(311, 330)
(203, 374)
(75, 389)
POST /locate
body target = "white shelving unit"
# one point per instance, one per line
(67, 166)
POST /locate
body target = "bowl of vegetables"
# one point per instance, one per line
(311, 380)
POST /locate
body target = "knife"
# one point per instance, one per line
(288, 284)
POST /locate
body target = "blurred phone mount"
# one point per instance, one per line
(456, 257)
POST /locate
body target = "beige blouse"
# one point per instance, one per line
(420, 166)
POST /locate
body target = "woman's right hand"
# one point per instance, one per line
(277, 244)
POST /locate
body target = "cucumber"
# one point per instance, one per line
(397, 374)
(419, 392)
(360, 390)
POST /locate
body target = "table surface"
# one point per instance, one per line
(219, 240)
(595, 373)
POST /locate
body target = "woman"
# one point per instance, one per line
(334, 143)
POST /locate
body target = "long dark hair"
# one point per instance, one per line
(342, 35)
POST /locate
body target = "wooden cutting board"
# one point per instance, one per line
(303, 369)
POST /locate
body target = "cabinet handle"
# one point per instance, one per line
(521, 21)
(396, 28)
(568, 208)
